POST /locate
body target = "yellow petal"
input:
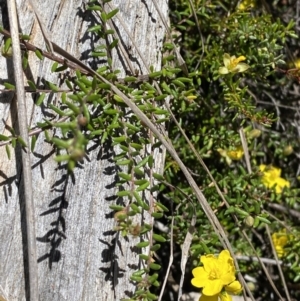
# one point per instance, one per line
(234, 287)
(227, 59)
(225, 262)
(240, 67)
(225, 256)
(212, 287)
(209, 261)
(201, 277)
(223, 70)
(262, 167)
(239, 59)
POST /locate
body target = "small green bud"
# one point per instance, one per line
(255, 133)
(251, 286)
(288, 150)
(249, 221)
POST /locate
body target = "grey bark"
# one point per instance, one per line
(80, 256)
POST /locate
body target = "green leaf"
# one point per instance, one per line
(163, 207)
(25, 60)
(54, 66)
(40, 99)
(135, 208)
(130, 79)
(144, 257)
(241, 212)
(124, 176)
(123, 193)
(62, 158)
(61, 68)
(118, 98)
(178, 83)
(9, 86)
(140, 201)
(22, 142)
(263, 219)
(151, 296)
(155, 74)
(143, 162)
(38, 54)
(157, 214)
(103, 16)
(150, 161)
(154, 266)
(184, 79)
(136, 278)
(113, 44)
(124, 162)
(53, 87)
(4, 138)
(13, 142)
(158, 238)
(57, 110)
(94, 7)
(143, 244)
(112, 13)
(7, 45)
(33, 142)
(155, 247)
(95, 28)
(69, 84)
(73, 107)
(119, 139)
(158, 177)
(140, 182)
(117, 207)
(63, 144)
(99, 54)
(31, 85)
(82, 86)
(47, 136)
(143, 187)
(138, 171)
(7, 149)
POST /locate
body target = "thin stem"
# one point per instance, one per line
(22, 119)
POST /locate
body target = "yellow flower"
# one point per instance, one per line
(236, 154)
(271, 177)
(216, 274)
(233, 65)
(233, 154)
(297, 63)
(245, 4)
(280, 239)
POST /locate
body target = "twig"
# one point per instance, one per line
(22, 119)
(44, 30)
(278, 265)
(245, 149)
(170, 262)
(253, 258)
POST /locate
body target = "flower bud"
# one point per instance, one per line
(288, 150)
(251, 286)
(255, 133)
(249, 221)
(120, 215)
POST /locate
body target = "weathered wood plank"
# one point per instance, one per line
(80, 257)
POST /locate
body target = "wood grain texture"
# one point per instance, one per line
(80, 257)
